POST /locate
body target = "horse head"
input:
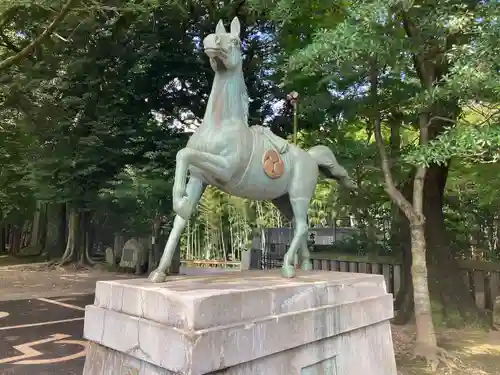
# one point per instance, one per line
(224, 48)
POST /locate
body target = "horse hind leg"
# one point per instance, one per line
(299, 206)
(306, 264)
(284, 205)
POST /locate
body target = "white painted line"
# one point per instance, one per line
(52, 294)
(41, 324)
(64, 299)
(4, 314)
(61, 304)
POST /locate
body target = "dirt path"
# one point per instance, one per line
(27, 281)
(476, 352)
(39, 280)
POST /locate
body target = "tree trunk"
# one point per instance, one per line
(118, 244)
(403, 303)
(445, 277)
(83, 247)
(8, 237)
(2, 238)
(63, 230)
(446, 285)
(426, 342)
(15, 239)
(91, 235)
(35, 229)
(395, 148)
(72, 244)
(154, 255)
(175, 266)
(426, 336)
(25, 234)
(44, 227)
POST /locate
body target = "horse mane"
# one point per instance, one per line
(244, 97)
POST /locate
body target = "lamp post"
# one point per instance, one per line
(293, 98)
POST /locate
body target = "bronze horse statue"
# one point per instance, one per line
(242, 160)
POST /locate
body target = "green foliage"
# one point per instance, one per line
(475, 139)
(16, 192)
(435, 57)
(459, 34)
(94, 117)
(88, 117)
(469, 143)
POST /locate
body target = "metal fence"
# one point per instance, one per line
(270, 245)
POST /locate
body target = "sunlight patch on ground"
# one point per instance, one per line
(476, 352)
(481, 349)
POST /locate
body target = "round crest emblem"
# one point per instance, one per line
(272, 164)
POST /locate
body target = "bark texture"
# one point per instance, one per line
(77, 245)
(446, 284)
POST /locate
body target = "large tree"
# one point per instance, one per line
(110, 92)
(424, 62)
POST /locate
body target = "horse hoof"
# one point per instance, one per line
(306, 266)
(184, 208)
(157, 277)
(288, 271)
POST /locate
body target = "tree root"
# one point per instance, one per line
(434, 356)
(66, 259)
(87, 258)
(70, 256)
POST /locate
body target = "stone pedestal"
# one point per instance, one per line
(242, 323)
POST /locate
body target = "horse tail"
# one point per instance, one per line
(328, 165)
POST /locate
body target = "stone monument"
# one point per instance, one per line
(110, 256)
(243, 322)
(133, 254)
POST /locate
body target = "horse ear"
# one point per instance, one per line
(235, 27)
(220, 29)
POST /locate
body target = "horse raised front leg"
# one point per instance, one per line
(217, 166)
(194, 191)
(181, 204)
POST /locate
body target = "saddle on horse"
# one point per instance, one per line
(278, 143)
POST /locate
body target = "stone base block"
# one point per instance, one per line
(242, 323)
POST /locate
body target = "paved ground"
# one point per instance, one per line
(43, 336)
(27, 281)
(41, 317)
(40, 331)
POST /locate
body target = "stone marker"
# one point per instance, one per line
(242, 323)
(110, 256)
(133, 253)
(246, 259)
(496, 312)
